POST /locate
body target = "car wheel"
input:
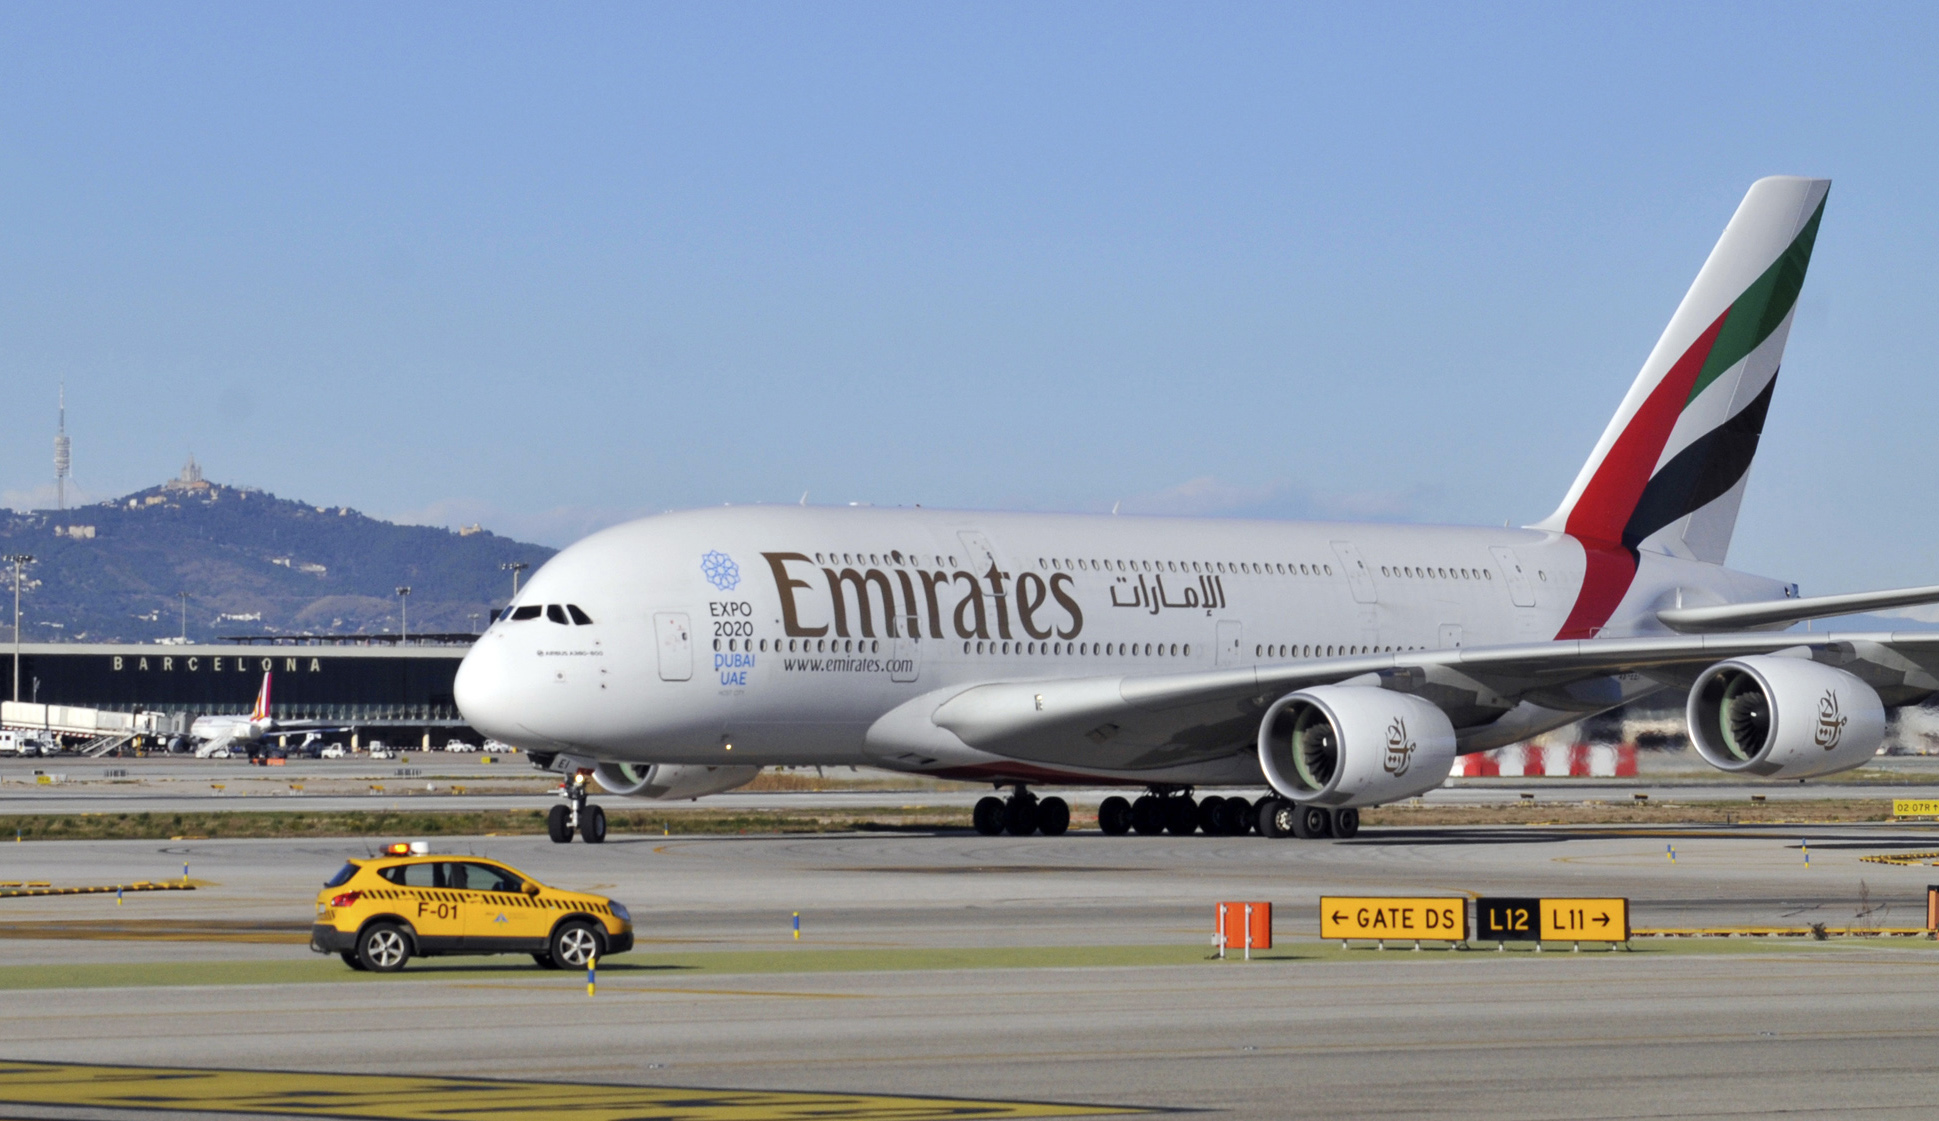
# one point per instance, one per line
(545, 961)
(558, 825)
(574, 944)
(592, 825)
(1053, 816)
(383, 947)
(351, 959)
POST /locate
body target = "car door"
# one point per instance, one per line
(435, 911)
(498, 913)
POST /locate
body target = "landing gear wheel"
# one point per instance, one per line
(1273, 817)
(988, 816)
(574, 944)
(1053, 817)
(1311, 822)
(1114, 816)
(1020, 816)
(545, 961)
(383, 948)
(558, 825)
(592, 825)
(1239, 817)
(1148, 816)
(351, 959)
(1346, 823)
(1181, 815)
(1208, 815)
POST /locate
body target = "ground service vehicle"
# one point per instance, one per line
(379, 913)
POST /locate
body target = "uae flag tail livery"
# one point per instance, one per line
(1669, 472)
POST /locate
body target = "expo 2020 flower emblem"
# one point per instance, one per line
(721, 571)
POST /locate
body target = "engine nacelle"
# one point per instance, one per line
(664, 782)
(1784, 717)
(1354, 745)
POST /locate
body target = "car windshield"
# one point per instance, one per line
(342, 877)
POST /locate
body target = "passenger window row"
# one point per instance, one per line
(1188, 568)
(1310, 650)
(1083, 649)
(557, 613)
(1435, 572)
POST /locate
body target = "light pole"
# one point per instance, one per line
(404, 614)
(19, 560)
(474, 622)
(184, 597)
(514, 567)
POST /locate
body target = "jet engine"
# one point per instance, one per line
(1784, 717)
(664, 782)
(1354, 745)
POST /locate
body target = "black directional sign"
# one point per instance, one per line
(1507, 920)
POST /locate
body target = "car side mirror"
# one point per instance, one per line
(531, 890)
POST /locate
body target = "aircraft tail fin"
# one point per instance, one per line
(261, 711)
(1669, 473)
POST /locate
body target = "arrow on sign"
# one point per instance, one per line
(1603, 919)
(1338, 917)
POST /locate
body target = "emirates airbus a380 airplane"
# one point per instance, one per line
(1339, 665)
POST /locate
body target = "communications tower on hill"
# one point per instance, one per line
(62, 454)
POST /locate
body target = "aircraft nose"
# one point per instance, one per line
(485, 692)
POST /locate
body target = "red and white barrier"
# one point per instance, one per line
(1531, 760)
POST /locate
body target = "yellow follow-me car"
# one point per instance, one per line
(379, 913)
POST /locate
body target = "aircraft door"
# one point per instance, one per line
(675, 640)
(907, 653)
(1231, 639)
(1359, 576)
(1519, 589)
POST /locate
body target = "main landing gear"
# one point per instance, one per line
(1022, 814)
(578, 815)
(1173, 810)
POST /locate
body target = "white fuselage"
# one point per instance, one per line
(740, 635)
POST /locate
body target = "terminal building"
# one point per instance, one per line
(401, 693)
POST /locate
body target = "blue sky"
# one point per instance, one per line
(547, 267)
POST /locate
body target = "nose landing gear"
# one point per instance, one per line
(1021, 814)
(577, 815)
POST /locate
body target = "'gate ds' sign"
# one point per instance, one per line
(1439, 919)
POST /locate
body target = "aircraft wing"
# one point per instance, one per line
(1150, 722)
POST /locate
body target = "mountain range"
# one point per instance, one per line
(206, 560)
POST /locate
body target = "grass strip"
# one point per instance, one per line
(393, 824)
(658, 968)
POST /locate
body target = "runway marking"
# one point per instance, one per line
(431, 1098)
(622, 989)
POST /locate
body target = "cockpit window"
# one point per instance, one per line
(529, 611)
(578, 616)
(555, 613)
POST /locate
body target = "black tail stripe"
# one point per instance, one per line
(1700, 473)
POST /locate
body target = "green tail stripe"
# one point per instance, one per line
(1763, 306)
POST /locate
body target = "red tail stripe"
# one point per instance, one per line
(1611, 496)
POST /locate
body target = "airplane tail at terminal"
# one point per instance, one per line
(261, 711)
(1669, 473)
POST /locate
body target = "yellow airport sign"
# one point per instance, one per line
(1585, 920)
(1915, 807)
(1394, 918)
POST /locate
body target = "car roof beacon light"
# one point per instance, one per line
(419, 848)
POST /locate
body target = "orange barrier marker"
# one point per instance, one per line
(1247, 925)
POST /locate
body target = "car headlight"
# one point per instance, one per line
(619, 910)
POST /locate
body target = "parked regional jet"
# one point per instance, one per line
(1341, 665)
(224, 732)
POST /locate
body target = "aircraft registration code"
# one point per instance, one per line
(1440, 919)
